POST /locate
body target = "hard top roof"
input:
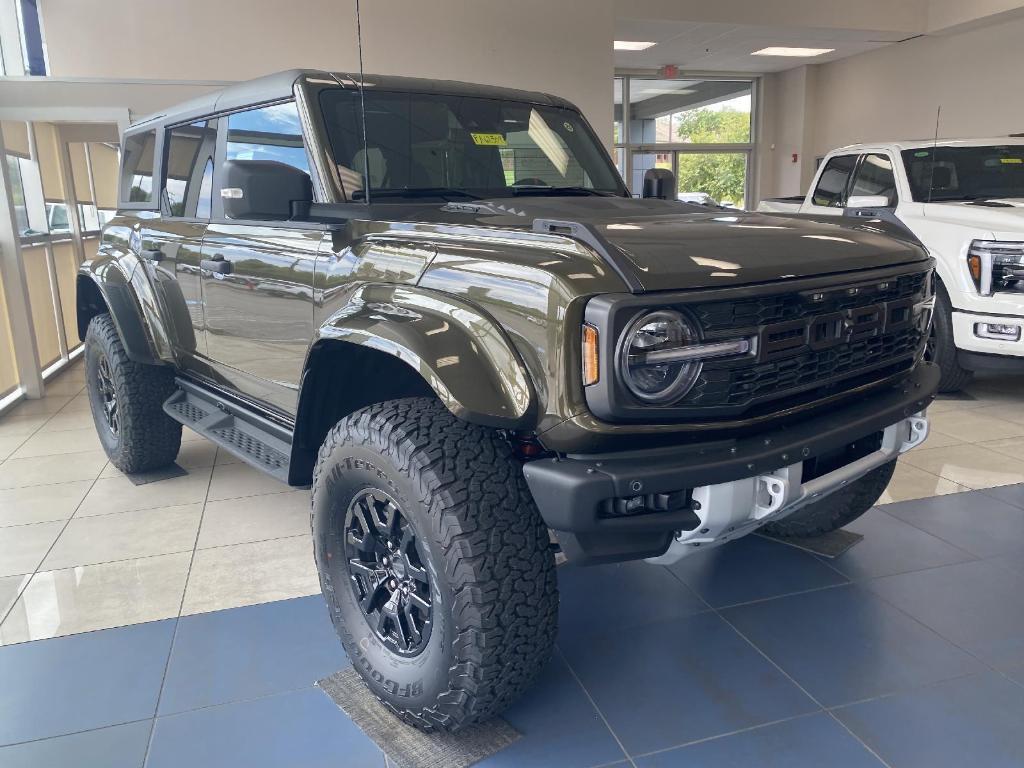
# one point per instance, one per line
(902, 144)
(279, 86)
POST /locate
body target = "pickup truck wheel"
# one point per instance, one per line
(434, 562)
(126, 399)
(836, 510)
(941, 350)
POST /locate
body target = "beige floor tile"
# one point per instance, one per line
(1009, 446)
(946, 406)
(235, 480)
(254, 518)
(53, 443)
(193, 455)
(41, 503)
(42, 406)
(247, 574)
(13, 425)
(1012, 411)
(125, 536)
(69, 386)
(225, 457)
(969, 465)
(974, 425)
(95, 597)
(10, 588)
(65, 420)
(10, 443)
(909, 482)
(22, 547)
(119, 494)
(937, 439)
(188, 436)
(45, 470)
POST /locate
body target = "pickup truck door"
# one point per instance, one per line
(831, 187)
(257, 261)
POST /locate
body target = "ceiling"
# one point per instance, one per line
(718, 47)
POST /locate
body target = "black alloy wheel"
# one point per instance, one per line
(386, 571)
(108, 395)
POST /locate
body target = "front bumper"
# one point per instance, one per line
(965, 339)
(574, 494)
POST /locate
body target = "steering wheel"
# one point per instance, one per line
(531, 181)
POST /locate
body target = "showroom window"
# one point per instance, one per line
(22, 46)
(701, 129)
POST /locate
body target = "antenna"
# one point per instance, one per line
(935, 145)
(362, 107)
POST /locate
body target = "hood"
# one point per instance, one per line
(1004, 216)
(665, 245)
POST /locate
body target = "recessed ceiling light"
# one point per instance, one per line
(792, 51)
(632, 45)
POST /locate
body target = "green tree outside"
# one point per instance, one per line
(721, 175)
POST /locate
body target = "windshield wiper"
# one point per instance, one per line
(418, 192)
(538, 190)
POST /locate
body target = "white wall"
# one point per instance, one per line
(558, 46)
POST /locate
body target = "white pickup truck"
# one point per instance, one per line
(964, 200)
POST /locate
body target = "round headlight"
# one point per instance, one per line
(648, 376)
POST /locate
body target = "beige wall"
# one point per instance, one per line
(558, 46)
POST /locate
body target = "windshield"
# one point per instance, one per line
(461, 147)
(965, 173)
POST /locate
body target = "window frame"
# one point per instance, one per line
(158, 170)
(164, 209)
(844, 193)
(860, 164)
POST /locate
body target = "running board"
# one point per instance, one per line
(254, 439)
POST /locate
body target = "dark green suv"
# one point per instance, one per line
(438, 306)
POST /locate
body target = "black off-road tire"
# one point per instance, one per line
(941, 349)
(836, 510)
(482, 543)
(145, 437)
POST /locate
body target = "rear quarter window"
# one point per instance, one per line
(137, 168)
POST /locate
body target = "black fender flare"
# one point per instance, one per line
(115, 290)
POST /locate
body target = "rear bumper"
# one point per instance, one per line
(582, 497)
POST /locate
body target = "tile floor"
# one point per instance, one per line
(178, 623)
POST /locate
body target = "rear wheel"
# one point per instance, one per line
(127, 400)
(941, 349)
(434, 562)
(836, 510)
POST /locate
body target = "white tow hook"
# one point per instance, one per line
(769, 496)
(917, 432)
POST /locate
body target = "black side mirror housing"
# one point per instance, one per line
(265, 190)
(659, 183)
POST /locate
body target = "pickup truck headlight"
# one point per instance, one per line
(660, 356)
(995, 264)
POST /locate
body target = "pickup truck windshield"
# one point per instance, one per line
(460, 147)
(965, 173)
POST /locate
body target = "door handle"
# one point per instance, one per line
(220, 266)
(155, 255)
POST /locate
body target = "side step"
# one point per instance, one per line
(249, 436)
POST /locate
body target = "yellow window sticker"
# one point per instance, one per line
(1011, 160)
(488, 139)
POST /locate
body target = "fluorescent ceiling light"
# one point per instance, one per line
(778, 51)
(632, 45)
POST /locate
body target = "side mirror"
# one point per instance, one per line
(659, 183)
(264, 189)
(868, 201)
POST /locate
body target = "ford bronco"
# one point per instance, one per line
(437, 305)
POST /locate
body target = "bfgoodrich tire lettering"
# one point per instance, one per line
(837, 509)
(494, 601)
(140, 437)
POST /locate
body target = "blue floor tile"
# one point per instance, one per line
(244, 653)
(300, 729)
(806, 742)
(119, 746)
(559, 726)
(596, 599)
(971, 721)
(1011, 494)
(752, 568)
(892, 546)
(846, 644)
(973, 521)
(77, 683)
(676, 681)
(977, 605)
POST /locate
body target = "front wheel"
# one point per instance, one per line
(434, 562)
(836, 510)
(941, 350)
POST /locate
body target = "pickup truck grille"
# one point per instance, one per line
(810, 344)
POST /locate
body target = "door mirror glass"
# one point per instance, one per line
(265, 190)
(867, 201)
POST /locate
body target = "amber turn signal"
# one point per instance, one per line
(590, 370)
(974, 264)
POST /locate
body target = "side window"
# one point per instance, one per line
(137, 167)
(190, 151)
(831, 189)
(205, 206)
(266, 174)
(875, 177)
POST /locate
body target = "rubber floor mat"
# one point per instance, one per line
(164, 473)
(829, 545)
(405, 746)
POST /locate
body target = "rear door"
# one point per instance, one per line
(257, 269)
